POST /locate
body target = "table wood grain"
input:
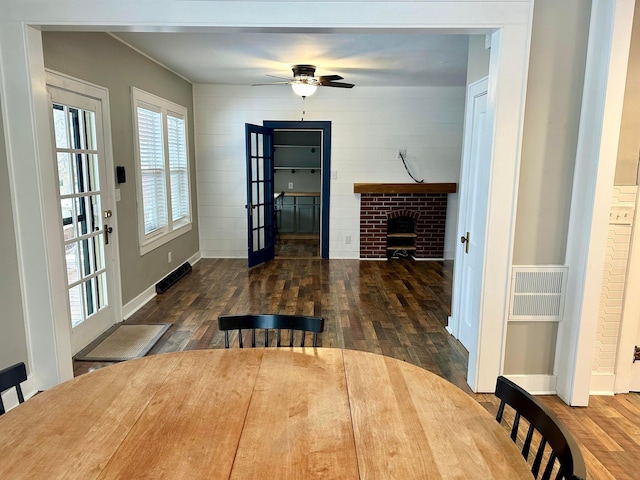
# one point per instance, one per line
(256, 413)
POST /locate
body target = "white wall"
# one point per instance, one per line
(369, 125)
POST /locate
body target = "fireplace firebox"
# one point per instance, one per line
(401, 234)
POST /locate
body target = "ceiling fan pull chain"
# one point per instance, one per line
(303, 112)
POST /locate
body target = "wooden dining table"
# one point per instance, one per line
(291, 413)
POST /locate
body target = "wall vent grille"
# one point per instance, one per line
(537, 293)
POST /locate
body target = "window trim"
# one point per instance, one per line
(172, 230)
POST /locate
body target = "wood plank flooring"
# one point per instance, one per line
(296, 246)
(397, 308)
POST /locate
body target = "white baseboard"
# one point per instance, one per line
(536, 384)
(141, 300)
(216, 254)
(195, 258)
(602, 384)
(10, 397)
(138, 302)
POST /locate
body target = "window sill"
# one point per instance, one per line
(155, 242)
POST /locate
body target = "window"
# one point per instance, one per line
(164, 199)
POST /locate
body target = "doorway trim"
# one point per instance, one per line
(21, 85)
(325, 168)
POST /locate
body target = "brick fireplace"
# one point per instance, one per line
(425, 210)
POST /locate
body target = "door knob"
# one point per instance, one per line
(465, 240)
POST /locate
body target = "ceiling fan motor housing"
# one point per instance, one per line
(303, 71)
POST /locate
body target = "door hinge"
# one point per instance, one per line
(636, 354)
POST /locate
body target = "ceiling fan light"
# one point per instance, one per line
(304, 89)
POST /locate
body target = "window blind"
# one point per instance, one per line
(177, 146)
(152, 170)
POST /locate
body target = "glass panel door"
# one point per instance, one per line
(85, 212)
(260, 196)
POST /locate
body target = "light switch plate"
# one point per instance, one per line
(621, 215)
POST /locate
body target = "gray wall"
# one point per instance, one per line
(629, 147)
(101, 59)
(552, 115)
(13, 340)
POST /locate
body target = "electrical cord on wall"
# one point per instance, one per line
(407, 169)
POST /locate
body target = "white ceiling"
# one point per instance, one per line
(365, 59)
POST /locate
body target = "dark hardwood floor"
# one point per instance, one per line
(297, 246)
(397, 308)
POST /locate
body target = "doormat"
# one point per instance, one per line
(123, 342)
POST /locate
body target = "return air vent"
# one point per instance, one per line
(537, 293)
(164, 284)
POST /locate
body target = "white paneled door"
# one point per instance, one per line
(472, 217)
(86, 212)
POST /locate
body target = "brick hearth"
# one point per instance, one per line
(429, 210)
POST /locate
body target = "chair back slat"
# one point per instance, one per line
(527, 443)
(547, 471)
(12, 377)
(515, 426)
(266, 322)
(535, 469)
(562, 445)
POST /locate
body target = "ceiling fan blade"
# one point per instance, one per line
(276, 76)
(329, 78)
(336, 84)
(274, 83)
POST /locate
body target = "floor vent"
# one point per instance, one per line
(537, 293)
(164, 284)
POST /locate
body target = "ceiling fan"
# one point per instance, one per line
(304, 83)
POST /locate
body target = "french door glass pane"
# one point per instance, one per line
(60, 126)
(254, 148)
(90, 167)
(65, 173)
(77, 305)
(254, 169)
(90, 130)
(72, 255)
(98, 252)
(94, 212)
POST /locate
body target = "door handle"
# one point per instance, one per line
(107, 232)
(465, 240)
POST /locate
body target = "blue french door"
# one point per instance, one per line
(260, 198)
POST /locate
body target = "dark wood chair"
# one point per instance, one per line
(11, 377)
(558, 442)
(274, 322)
